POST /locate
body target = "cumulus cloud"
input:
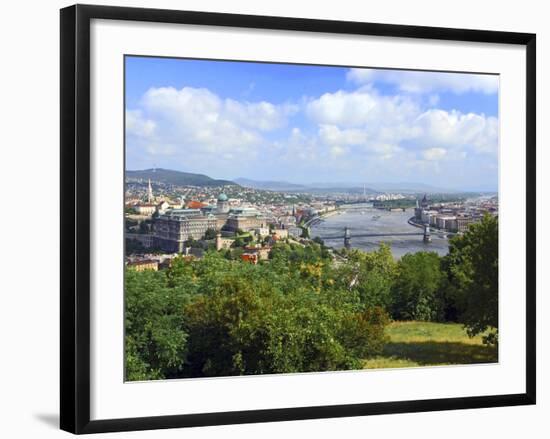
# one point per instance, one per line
(426, 82)
(431, 154)
(337, 134)
(369, 123)
(138, 126)
(358, 108)
(455, 129)
(333, 135)
(195, 123)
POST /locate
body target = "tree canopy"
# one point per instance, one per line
(472, 269)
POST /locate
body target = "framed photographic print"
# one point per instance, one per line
(273, 218)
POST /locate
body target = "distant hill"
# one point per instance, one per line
(270, 185)
(344, 187)
(378, 187)
(177, 178)
(286, 186)
(410, 187)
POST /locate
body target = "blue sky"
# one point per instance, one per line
(308, 124)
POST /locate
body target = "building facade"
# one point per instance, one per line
(143, 265)
(145, 209)
(173, 228)
(146, 240)
(446, 222)
(245, 219)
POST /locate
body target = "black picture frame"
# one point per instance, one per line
(75, 217)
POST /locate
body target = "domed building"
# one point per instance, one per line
(223, 204)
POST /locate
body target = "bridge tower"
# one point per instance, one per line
(427, 235)
(347, 238)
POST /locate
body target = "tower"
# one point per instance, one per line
(347, 238)
(427, 237)
(149, 193)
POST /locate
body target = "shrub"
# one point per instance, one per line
(248, 327)
(219, 317)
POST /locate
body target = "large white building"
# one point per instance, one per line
(176, 226)
(245, 219)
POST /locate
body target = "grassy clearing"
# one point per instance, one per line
(415, 344)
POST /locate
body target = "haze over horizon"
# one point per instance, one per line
(388, 185)
(305, 124)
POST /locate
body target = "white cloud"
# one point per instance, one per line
(454, 129)
(194, 124)
(338, 134)
(332, 135)
(371, 125)
(138, 126)
(337, 151)
(342, 108)
(262, 116)
(426, 82)
(432, 154)
(358, 108)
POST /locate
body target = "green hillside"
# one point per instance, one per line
(177, 178)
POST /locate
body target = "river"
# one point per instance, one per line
(366, 219)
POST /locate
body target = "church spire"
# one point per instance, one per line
(149, 193)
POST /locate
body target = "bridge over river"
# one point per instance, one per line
(366, 228)
(426, 234)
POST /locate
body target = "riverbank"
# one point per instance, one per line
(413, 223)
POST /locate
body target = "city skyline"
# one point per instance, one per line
(306, 124)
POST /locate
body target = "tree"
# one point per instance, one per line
(155, 342)
(216, 317)
(249, 325)
(192, 242)
(210, 234)
(416, 288)
(472, 269)
(319, 241)
(371, 275)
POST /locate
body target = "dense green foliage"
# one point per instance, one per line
(417, 286)
(472, 269)
(210, 234)
(215, 316)
(301, 310)
(155, 341)
(370, 276)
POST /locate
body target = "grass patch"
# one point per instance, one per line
(413, 344)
